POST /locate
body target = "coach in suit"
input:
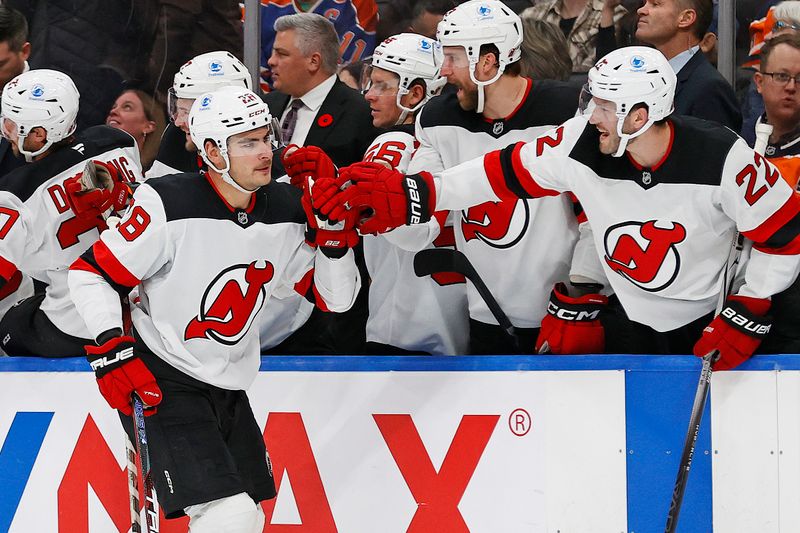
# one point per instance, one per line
(316, 109)
(676, 28)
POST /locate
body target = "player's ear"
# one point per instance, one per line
(415, 95)
(38, 135)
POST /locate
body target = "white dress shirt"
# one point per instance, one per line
(312, 101)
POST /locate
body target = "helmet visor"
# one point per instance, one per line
(178, 108)
(256, 141)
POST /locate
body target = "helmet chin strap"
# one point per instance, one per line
(624, 138)
(30, 155)
(482, 84)
(226, 177)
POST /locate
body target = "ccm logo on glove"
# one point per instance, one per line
(103, 362)
(575, 314)
(758, 330)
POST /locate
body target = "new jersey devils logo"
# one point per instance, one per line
(498, 224)
(645, 253)
(230, 303)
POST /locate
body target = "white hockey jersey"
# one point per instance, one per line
(51, 236)
(417, 314)
(663, 233)
(204, 271)
(520, 247)
(14, 220)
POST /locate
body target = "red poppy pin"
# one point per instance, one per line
(325, 120)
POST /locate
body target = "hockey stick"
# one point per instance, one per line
(434, 260)
(698, 407)
(133, 485)
(143, 451)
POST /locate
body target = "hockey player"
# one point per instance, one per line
(207, 251)
(407, 314)
(46, 233)
(664, 195)
(493, 107)
(201, 74)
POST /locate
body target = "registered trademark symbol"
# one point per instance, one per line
(519, 422)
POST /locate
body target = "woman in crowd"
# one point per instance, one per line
(137, 113)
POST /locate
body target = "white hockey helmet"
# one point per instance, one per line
(40, 98)
(226, 112)
(630, 76)
(412, 57)
(206, 73)
(479, 22)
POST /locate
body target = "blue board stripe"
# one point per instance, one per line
(22, 445)
(461, 363)
(658, 406)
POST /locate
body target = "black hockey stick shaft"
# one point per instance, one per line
(434, 260)
(698, 407)
(143, 451)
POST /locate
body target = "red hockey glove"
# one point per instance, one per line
(383, 198)
(333, 237)
(96, 190)
(308, 161)
(119, 373)
(572, 325)
(736, 332)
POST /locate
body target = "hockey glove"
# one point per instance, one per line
(736, 332)
(572, 325)
(119, 373)
(305, 162)
(333, 237)
(95, 190)
(383, 198)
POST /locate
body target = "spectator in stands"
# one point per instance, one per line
(589, 26)
(675, 28)
(138, 113)
(14, 52)
(315, 108)
(354, 22)
(427, 15)
(781, 19)
(778, 81)
(545, 53)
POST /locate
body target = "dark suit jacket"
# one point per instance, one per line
(349, 132)
(702, 92)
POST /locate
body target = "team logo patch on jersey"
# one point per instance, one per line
(645, 254)
(498, 224)
(230, 303)
(497, 127)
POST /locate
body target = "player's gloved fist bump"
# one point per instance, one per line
(383, 198)
(119, 373)
(307, 161)
(572, 324)
(333, 237)
(736, 332)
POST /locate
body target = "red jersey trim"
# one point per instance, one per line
(7, 269)
(775, 222)
(111, 266)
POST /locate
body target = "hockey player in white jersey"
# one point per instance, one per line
(493, 107)
(46, 231)
(207, 251)
(407, 314)
(665, 196)
(201, 74)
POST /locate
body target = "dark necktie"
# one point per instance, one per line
(290, 120)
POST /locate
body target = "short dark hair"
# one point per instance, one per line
(704, 10)
(513, 69)
(437, 7)
(792, 39)
(13, 28)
